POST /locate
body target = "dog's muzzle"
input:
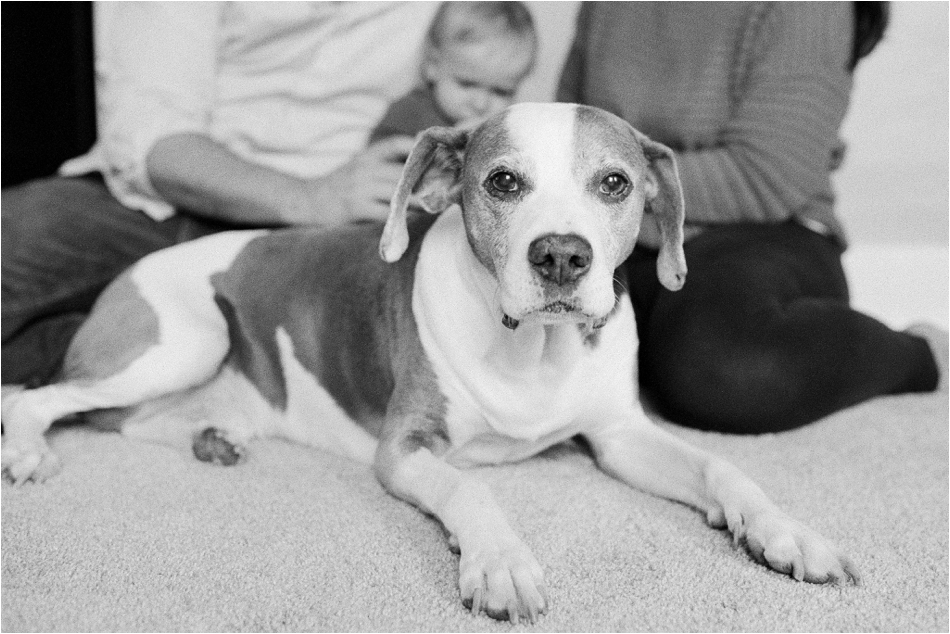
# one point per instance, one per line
(559, 261)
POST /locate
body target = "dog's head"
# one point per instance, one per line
(552, 197)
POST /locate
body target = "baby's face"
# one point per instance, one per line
(476, 80)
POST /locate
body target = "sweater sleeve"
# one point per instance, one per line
(773, 157)
(409, 116)
(570, 88)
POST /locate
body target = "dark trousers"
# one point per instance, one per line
(761, 337)
(63, 241)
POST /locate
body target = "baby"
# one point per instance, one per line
(476, 55)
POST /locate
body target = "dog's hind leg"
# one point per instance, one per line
(129, 351)
(214, 420)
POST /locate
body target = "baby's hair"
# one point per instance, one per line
(463, 22)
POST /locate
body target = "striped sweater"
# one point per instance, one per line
(750, 95)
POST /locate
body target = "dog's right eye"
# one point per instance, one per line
(614, 185)
(503, 183)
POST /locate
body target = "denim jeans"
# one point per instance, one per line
(63, 241)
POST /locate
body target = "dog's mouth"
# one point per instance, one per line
(557, 312)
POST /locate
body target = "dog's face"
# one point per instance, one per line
(552, 198)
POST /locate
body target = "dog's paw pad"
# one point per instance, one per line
(212, 445)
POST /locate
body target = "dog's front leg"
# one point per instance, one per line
(497, 572)
(641, 454)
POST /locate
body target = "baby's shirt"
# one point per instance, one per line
(410, 115)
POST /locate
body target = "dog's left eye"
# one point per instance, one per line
(503, 182)
(614, 185)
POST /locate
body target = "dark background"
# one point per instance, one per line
(48, 92)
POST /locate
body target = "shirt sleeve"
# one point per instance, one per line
(156, 67)
(775, 153)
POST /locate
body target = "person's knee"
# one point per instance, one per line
(732, 388)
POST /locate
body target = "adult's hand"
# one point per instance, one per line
(361, 189)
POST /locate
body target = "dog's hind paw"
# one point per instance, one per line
(213, 445)
(788, 546)
(25, 462)
(505, 582)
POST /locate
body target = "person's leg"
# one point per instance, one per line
(63, 240)
(761, 337)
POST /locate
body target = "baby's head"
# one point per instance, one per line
(477, 53)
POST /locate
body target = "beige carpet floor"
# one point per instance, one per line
(134, 537)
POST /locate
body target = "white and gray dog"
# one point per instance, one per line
(492, 331)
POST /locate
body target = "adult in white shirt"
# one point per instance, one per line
(211, 116)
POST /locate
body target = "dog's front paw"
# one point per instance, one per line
(505, 581)
(25, 461)
(776, 540)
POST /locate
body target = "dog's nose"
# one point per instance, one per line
(560, 258)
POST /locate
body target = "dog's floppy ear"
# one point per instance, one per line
(665, 201)
(434, 167)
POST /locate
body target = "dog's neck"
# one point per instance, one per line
(515, 380)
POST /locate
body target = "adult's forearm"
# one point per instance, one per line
(193, 172)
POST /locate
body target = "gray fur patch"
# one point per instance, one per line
(120, 328)
(347, 312)
(485, 218)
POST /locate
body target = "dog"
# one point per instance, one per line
(491, 328)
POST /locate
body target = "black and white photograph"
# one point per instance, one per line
(471, 316)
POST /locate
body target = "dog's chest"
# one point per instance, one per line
(515, 401)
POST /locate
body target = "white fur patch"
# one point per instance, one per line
(544, 134)
(313, 417)
(193, 335)
(190, 300)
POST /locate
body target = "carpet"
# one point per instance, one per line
(139, 537)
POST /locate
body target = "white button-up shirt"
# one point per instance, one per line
(296, 86)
